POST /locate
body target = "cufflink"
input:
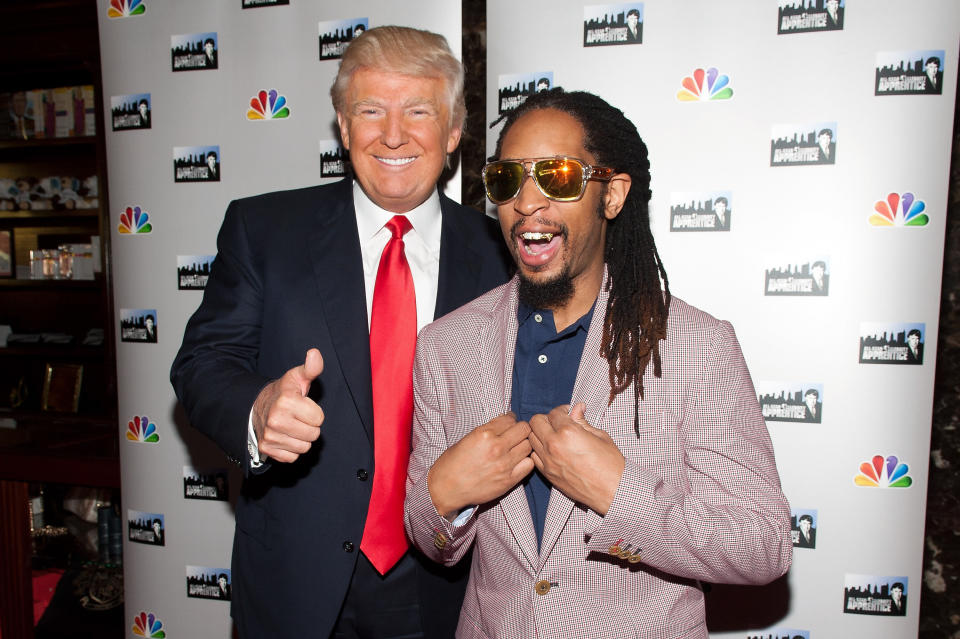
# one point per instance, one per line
(634, 558)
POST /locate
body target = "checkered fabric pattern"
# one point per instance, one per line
(699, 499)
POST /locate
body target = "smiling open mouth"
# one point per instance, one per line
(535, 243)
(396, 161)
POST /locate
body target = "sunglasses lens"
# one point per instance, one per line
(502, 180)
(559, 179)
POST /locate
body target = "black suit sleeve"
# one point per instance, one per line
(214, 374)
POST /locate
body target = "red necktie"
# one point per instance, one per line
(393, 336)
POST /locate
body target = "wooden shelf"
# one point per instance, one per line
(51, 284)
(53, 43)
(55, 351)
(33, 143)
(64, 215)
(60, 448)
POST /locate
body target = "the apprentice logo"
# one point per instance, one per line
(514, 89)
(337, 34)
(799, 144)
(612, 24)
(909, 72)
(803, 16)
(194, 52)
(897, 343)
(808, 279)
(791, 402)
(193, 271)
(131, 111)
(875, 595)
(709, 212)
(196, 163)
(334, 159)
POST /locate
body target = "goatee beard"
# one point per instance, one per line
(550, 294)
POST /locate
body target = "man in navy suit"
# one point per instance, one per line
(275, 365)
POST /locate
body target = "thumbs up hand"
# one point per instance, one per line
(286, 421)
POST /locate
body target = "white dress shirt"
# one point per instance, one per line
(421, 248)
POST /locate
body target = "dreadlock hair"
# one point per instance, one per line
(636, 313)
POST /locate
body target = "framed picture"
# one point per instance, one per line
(8, 265)
(61, 387)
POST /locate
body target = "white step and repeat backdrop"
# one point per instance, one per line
(207, 102)
(800, 151)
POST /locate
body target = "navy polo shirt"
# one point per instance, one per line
(544, 370)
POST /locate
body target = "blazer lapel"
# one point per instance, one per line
(592, 379)
(498, 342)
(457, 283)
(338, 267)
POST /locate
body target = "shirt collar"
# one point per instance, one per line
(425, 219)
(524, 312)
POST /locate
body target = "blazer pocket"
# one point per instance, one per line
(252, 521)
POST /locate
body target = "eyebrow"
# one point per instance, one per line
(411, 102)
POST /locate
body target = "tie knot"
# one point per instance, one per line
(398, 226)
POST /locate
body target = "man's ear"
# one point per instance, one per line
(616, 195)
(344, 130)
(453, 139)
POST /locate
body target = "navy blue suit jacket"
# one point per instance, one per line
(288, 277)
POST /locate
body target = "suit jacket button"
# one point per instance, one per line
(542, 587)
(348, 546)
(362, 474)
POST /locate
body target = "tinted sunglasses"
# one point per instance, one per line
(559, 178)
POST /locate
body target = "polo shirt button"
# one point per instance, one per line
(348, 546)
(542, 359)
(362, 474)
(538, 317)
(542, 587)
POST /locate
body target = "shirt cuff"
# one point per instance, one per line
(253, 448)
(463, 517)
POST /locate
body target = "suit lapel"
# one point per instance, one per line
(590, 388)
(459, 275)
(338, 267)
(497, 344)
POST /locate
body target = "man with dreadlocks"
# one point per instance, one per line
(603, 519)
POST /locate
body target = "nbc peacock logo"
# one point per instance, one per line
(899, 209)
(884, 473)
(126, 8)
(703, 86)
(141, 429)
(268, 105)
(148, 625)
(134, 220)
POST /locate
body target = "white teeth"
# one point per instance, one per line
(396, 161)
(537, 236)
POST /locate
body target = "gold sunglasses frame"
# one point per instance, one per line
(590, 172)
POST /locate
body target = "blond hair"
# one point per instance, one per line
(406, 51)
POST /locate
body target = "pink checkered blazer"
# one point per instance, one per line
(699, 499)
